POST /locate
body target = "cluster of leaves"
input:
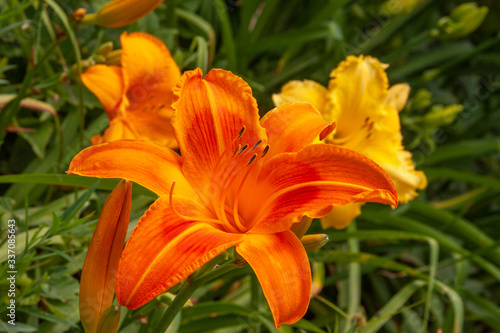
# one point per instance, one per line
(430, 265)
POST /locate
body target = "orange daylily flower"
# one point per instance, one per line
(366, 110)
(240, 182)
(137, 96)
(119, 13)
(97, 283)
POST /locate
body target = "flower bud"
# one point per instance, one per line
(463, 20)
(440, 115)
(97, 282)
(314, 242)
(119, 13)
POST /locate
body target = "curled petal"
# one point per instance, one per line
(285, 275)
(290, 127)
(313, 180)
(146, 163)
(164, 249)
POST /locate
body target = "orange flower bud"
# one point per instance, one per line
(97, 283)
(119, 13)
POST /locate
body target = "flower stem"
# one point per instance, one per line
(187, 291)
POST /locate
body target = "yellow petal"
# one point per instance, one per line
(398, 95)
(357, 92)
(97, 283)
(303, 91)
(341, 217)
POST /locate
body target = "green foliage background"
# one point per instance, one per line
(432, 265)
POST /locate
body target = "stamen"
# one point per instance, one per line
(264, 152)
(243, 149)
(241, 132)
(252, 159)
(237, 148)
(255, 145)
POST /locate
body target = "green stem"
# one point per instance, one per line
(255, 300)
(187, 291)
(354, 280)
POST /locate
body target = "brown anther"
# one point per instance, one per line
(237, 148)
(243, 149)
(264, 152)
(256, 144)
(252, 159)
(241, 132)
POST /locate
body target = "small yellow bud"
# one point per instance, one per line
(300, 228)
(313, 242)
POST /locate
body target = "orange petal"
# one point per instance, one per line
(282, 267)
(311, 181)
(209, 115)
(164, 249)
(107, 84)
(149, 71)
(119, 13)
(146, 163)
(290, 127)
(97, 283)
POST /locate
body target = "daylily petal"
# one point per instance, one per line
(146, 163)
(398, 95)
(303, 91)
(150, 75)
(285, 275)
(210, 114)
(313, 180)
(357, 90)
(290, 127)
(107, 84)
(164, 249)
(341, 216)
(97, 283)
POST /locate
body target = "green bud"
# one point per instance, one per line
(440, 115)
(421, 100)
(462, 21)
(105, 48)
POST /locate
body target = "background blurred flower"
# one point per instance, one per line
(366, 112)
(137, 96)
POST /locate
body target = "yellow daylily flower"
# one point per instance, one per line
(366, 110)
(119, 13)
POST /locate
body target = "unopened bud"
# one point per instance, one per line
(78, 14)
(463, 20)
(105, 48)
(314, 242)
(441, 115)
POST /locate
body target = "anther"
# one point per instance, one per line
(264, 152)
(252, 159)
(237, 148)
(241, 132)
(243, 149)
(256, 144)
